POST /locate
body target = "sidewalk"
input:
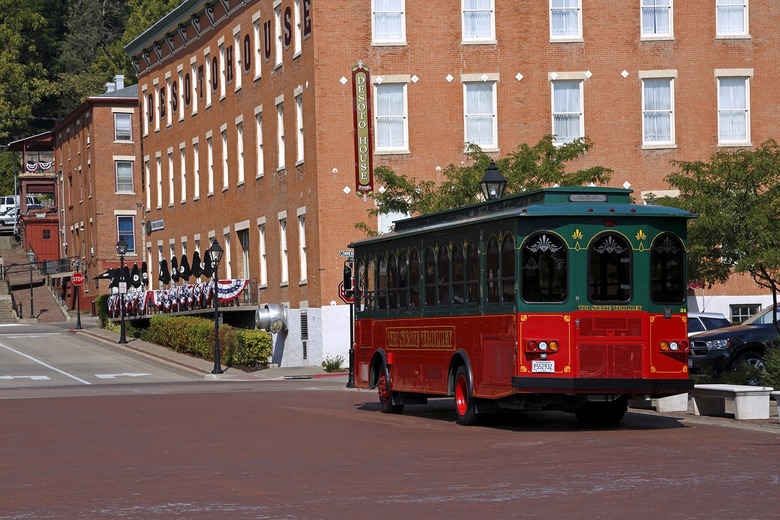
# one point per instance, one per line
(196, 365)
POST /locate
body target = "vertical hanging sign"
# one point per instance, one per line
(361, 106)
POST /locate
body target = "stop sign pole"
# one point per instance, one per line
(78, 279)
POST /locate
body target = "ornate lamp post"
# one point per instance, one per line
(31, 260)
(216, 256)
(493, 183)
(121, 250)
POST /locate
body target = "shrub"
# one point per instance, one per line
(333, 364)
(101, 307)
(195, 336)
(772, 362)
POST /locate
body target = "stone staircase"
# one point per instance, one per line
(7, 312)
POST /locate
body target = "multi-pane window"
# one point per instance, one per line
(257, 58)
(243, 240)
(297, 26)
(656, 18)
(183, 172)
(478, 20)
(224, 158)
(125, 225)
(159, 179)
(124, 176)
(391, 130)
(278, 40)
(733, 110)
(170, 177)
(731, 17)
(567, 113)
(657, 111)
(565, 19)
(480, 113)
(740, 313)
(195, 169)
(123, 127)
(148, 176)
(388, 20)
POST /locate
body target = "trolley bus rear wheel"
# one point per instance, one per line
(465, 412)
(602, 414)
(386, 394)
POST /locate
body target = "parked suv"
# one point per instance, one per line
(728, 348)
(12, 201)
(699, 322)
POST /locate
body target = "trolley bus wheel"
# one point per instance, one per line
(386, 394)
(602, 414)
(465, 412)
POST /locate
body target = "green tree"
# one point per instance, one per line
(737, 197)
(527, 168)
(23, 76)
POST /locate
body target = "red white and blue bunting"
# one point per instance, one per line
(179, 298)
(33, 167)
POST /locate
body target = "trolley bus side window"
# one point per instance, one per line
(472, 270)
(492, 275)
(414, 278)
(544, 268)
(403, 280)
(444, 276)
(508, 255)
(367, 277)
(609, 269)
(430, 277)
(458, 274)
(667, 270)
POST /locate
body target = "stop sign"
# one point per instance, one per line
(78, 279)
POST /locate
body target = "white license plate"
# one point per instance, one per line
(544, 367)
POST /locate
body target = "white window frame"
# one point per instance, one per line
(170, 177)
(648, 11)
(299, 129)
(302, 246)
(183, 171)
(130, 243)
(262, 254)
(168, 101)
(124, 161)
(145, 117)
(297, 28)
(651, 77)
(381, 119)
(260, 170)
(468, 11)
(148, 180)
(238, 74)
(195, 168)
(240, 150)
(283, 253)
(180, 73)
(580, 112)
(258, 50)
(122, 115)
(194, 84)
(210, 162)
(222, 69)
(225, 173)
(278, 45)
(556, 9)
(741, 75)
(723, 5)
(376, 13)
(470, 112)
(207, 79)
(280, 149)
(158, 157)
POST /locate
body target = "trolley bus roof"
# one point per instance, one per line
(546, 202)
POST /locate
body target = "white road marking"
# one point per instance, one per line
(45, 364)
(34, 378)
(114, 376)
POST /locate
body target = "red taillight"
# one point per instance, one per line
(541, 346)
(673, 346)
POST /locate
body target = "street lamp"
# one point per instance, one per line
(121, 250)
(216, 256)
(493, 183)
(31, 259)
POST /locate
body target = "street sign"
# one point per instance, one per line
(78, 279)
(343, 294)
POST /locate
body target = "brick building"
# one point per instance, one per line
(96, 148)
(248, 117)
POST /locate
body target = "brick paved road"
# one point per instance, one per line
(314, 450)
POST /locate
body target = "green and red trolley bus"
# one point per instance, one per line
(558, 299)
